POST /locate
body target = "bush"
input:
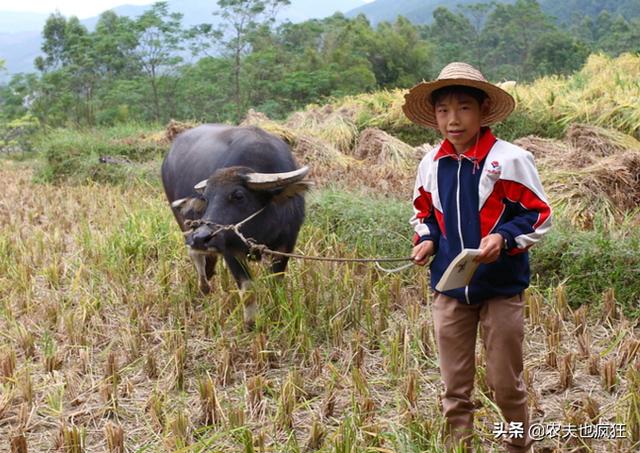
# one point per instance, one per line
(75, 156)
(17, 135)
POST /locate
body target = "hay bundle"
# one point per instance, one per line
(598, 141)
(259, 119)
(385, 180)
(311, 118)
(555, 153)
(307, 120)
(317, 153)
(175, 127)
(334, 126)
(618, 177)
(338, 130)
(609, 188)
(379, 147)
(159, 138)
(423, 149)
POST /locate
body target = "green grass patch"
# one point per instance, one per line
(589, 262)
(369, 225)
(132, 152)
(522, 123)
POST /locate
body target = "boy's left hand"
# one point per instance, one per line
(490, 247)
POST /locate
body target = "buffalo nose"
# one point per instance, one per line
(200, 237)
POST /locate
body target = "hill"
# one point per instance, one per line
(421, 11)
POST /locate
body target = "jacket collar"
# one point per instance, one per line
(476, 153)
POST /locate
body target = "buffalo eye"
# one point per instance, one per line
(236, 196)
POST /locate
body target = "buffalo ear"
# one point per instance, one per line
(291, 190)
(190, 206)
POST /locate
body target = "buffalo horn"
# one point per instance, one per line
(265, 181)
(178, 203)
(201, 185)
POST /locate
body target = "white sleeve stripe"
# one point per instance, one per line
(526, 240)
(422, 229)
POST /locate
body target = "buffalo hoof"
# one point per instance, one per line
(249, 326)
(250, 312)
(204, 287)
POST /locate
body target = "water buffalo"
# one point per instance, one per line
(223, 174)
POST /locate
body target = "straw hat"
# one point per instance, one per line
(420, 110)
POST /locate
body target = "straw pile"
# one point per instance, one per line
(378, 147)
(311, 150)
(314, 151)
(599, 142)
(334, 126)
(552, 153)
(315, 116)
(593, 171)
(617, 176)
(175, 127)
(603, 93)
(262, 121)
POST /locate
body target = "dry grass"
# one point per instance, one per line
(105, 341)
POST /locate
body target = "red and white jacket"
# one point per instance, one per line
(492, 188)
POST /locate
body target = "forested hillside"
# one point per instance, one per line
(420, 11)
(152, 68)
(568, 10)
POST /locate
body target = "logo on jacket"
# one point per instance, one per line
(495, 168)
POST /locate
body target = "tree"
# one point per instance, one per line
(510, 33)
(159, 41)
(452, 37)
(115, 41)
(69, 75)
(477, 14)
(241, 19)
(557, 52)
(53, 44)
(398, 56)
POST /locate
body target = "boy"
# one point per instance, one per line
(475, 191)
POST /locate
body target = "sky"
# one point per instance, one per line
(80, 8)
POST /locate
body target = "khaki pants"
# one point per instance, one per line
(456, 325)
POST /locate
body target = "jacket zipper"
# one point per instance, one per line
(466, 288)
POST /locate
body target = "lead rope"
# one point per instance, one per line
(261, 248)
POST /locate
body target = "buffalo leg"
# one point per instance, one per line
(210, 266)
(279, 265)
(200, 262)
(240, 272)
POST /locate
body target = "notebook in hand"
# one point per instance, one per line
(460, 271)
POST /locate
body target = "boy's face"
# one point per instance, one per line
(459, 117)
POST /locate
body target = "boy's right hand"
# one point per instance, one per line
(422, 252)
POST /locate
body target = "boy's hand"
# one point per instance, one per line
(490, 247)
(422, 252)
